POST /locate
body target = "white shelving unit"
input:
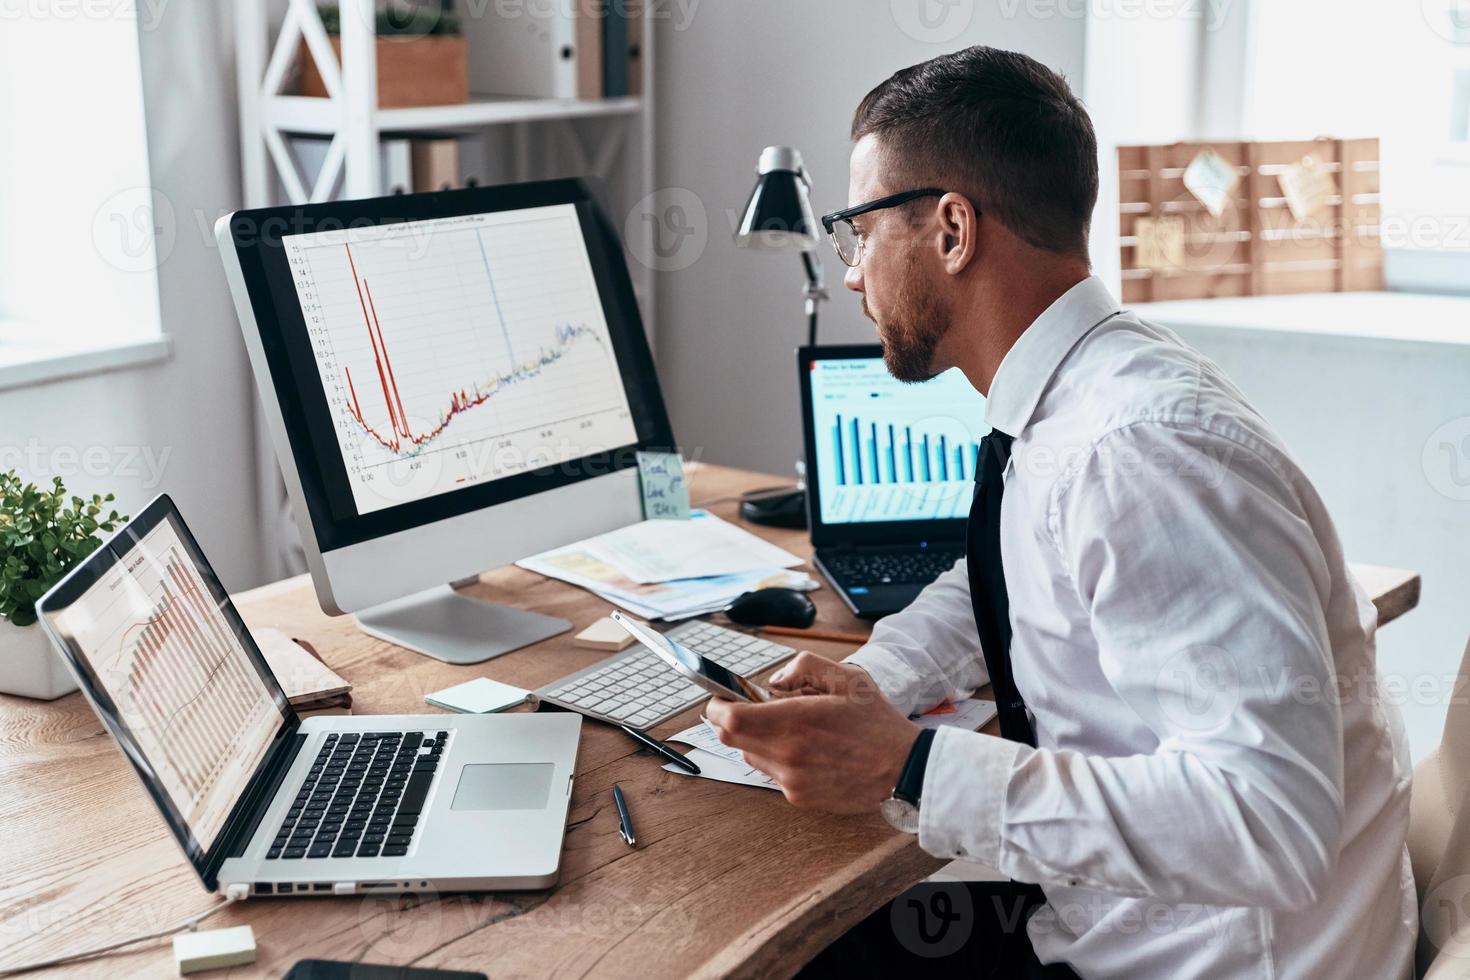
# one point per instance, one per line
(546, 137)
(611, 139)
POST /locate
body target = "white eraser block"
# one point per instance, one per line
(604, 635)
(211, 949)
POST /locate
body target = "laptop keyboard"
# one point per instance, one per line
(889, 567)
(362, 797)
(637, 689)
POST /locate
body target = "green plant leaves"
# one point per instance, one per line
(43, 534)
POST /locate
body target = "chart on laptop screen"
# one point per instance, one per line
(180, 680)
(459, 350)
(890, 451)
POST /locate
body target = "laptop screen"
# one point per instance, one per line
(885, 451)
(159, 650)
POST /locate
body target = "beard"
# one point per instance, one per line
(913, 329)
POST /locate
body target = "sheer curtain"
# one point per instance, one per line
(187, 54)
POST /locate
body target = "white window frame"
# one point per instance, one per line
(91, 208)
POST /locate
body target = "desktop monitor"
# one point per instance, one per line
(452, 381)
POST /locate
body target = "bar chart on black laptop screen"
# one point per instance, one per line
(179, 677)
(890, 451)
(459, 350)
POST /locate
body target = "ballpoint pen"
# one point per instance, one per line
(673, 755)
(625, 820)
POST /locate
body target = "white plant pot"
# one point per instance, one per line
(30, 666)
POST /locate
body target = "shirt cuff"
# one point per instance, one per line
(962, 804)
(895, 677)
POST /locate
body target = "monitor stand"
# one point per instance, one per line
(454, 628)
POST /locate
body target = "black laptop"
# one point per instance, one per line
(890, 470)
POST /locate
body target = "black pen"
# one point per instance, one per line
(649, 742)
(625, 820)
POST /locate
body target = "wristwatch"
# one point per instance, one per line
(901, 810)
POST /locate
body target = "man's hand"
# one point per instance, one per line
(839, 749)
(811, 674)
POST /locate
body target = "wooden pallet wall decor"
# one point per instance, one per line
(1173, 247)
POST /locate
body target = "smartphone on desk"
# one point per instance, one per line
(339, 970)
(691, 666)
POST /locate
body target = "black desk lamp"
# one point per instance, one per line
(778, 217)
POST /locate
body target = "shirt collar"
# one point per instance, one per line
(1027, 369)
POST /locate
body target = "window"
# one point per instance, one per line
(81, 232)
(1396, 69)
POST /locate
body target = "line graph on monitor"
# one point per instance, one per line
(460, 351)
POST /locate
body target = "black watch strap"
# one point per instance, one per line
(911, 780)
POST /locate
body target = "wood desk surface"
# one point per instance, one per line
(726, 880)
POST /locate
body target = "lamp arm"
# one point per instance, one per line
(815, 292)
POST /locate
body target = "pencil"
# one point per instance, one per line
(836, 635)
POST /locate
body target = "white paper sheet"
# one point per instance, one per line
(718, 761)
(702, 736)
(576, 564)
(968, 714)
(704, 545)
(724, 770)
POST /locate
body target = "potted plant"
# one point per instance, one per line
(420, 52)
(42, 535)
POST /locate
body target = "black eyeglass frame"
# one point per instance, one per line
(891, 201)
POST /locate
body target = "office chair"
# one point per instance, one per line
(1439, 843)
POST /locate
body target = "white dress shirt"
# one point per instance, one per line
(1218, 790)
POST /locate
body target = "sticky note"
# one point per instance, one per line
(1307, 186)
(1210, 179)
(665, 494)
(605, 634)
(1159, 243)
(478, 697)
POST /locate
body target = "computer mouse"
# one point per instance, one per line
(774, 606)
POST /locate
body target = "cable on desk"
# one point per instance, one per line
(190, 925)
(762, 494)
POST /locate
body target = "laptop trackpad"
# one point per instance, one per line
(503, 786)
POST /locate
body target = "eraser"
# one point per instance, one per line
(211, 949)
(604, 635)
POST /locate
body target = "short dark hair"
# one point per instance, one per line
(998, 126)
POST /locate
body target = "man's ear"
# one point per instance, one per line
(958, 232)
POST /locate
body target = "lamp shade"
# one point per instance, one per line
(779, 213)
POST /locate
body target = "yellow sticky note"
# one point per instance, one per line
(605, 634)
(1159, 243)
(1307, 186)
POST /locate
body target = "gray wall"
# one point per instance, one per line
(732, 78)
(1366, 418)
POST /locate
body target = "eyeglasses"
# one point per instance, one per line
(847, 240)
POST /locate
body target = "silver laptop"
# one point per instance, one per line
(265, 802)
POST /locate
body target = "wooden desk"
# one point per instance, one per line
(726, 879)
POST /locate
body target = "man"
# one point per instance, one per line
(1197, 770)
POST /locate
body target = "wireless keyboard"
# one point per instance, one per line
(636, 689)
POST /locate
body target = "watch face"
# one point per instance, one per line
(900, 814)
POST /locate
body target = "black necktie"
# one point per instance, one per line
(988, 586)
